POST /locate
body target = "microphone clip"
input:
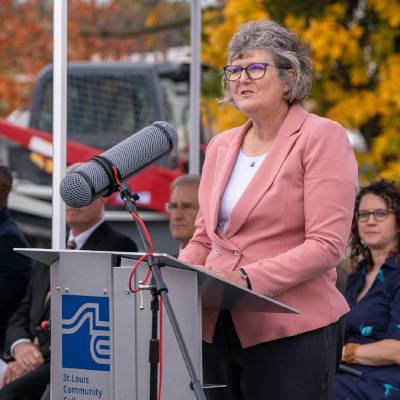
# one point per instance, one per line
(109, 169)
(129, 198)
(117, 184)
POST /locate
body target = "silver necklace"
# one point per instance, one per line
(253, 162)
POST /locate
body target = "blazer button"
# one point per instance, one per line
(216, 251)
(236, 253)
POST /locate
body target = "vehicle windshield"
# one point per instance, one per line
(105, 107)
(101, 110)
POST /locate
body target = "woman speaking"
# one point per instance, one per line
(276, 200)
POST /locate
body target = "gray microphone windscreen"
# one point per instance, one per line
(90, 181)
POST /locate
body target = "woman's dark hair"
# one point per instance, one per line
(390, 193)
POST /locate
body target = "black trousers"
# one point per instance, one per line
(300, 367)
(29, 387)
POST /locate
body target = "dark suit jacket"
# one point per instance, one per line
(105, 238)
(15, 270)
(25, 323)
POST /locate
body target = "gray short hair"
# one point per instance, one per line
(189, 179)
(287, 51)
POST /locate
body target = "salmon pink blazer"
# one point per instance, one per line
(288, 230)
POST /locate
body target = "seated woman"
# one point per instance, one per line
(372, 345)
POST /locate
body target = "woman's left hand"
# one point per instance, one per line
(232, 276)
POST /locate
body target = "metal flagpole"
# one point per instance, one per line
(195, 79)
(59, 119)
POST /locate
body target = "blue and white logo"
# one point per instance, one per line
(85, 332)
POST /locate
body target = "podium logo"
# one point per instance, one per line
(86, 332)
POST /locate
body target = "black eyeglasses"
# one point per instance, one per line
(171, 207)
(379, 214)
(253, 71)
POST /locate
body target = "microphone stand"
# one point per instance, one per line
(159, 288)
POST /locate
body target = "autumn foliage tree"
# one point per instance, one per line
(110, 30)
(355, 52)
(354, 46)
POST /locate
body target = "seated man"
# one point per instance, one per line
(183, 208)
(15, 268)
(28, 338)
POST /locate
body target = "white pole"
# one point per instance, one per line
(195, 79)
(59, 119)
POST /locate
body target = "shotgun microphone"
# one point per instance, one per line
(91, 180)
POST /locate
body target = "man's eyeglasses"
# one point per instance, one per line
(380, 214)
(253, 71)
(171, 207)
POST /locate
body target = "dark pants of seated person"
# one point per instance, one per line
(29, 387)
(300, 367)
(362, 388)
(46, 394)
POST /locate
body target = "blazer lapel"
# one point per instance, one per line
(96, 237)
(262, 181)
(224, 163)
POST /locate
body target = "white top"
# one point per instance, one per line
(242, 173)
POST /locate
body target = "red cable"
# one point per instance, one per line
(134, 215)
(150, 253)
(135, 290)
(116, 177)
(132, 273)
(161, 350)
(145, 231)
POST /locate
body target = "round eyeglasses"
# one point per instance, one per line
(253, 71)
(380, 214)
